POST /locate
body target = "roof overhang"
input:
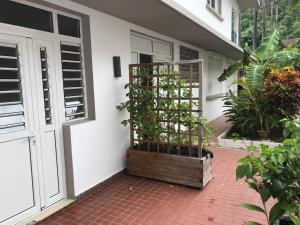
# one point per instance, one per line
(169, 18)
(247, 4)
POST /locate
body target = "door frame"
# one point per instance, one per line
(28, 67)
(22, 32)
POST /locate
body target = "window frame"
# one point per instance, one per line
(86, 111)
(152, 39)
(234, 26)
(194, 51)
(211, 96)
(58, 38)
(215, 6)
(39, 8)
(79, 21)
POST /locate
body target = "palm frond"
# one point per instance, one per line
(269, 46)
(239, 65)
(254, 77)
(231, 70)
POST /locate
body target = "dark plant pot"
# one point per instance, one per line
(297, 68)
(263, 134)
(283, 221)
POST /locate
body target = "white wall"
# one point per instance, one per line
(99, 147)
(198, 8)
(214, 108)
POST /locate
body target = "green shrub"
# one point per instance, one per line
(275, 173)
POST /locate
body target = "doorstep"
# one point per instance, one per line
(47, 212)
(242, 143)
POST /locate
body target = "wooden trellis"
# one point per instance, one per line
(186, 140)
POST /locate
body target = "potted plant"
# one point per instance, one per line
(275, 173)
(258, 103)
(168, 132)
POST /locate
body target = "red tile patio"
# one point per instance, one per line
(131, 200)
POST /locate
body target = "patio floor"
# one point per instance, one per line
(130, 200)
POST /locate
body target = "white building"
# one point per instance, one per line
(60, 133)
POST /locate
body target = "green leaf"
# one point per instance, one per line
(255, 77)
(253, 186)
(230, 70)
(265, 194)
(295, 220)
(269, 45)
(286, 57)
(252, 207)
(252, 223)
(241, 171)
(277, 211)
(277, 187)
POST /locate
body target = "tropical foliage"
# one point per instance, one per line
(283, 91)
(275, 173)
(256, 65)
(269, 87)
(283, 14)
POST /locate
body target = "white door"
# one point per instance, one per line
(30, 148)
(46, 117)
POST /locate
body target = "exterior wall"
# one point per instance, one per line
(198, 8)
(213, 104)
(99, 146)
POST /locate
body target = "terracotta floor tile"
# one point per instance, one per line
(128, 200)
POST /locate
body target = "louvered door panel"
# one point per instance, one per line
(11, 103)
(73, 79)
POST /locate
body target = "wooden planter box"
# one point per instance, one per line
(189, 171)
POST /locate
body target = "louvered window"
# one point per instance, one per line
(74, 90)
(46, 86)
(189, 54)
(11, 103)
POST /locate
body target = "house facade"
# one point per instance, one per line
(60, 132)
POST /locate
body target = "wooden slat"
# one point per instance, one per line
(188, 171)
(149, 164)
(164, 158)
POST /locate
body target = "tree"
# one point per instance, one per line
(283, 14)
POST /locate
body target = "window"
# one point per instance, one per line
(161, 51)
(68, 26)
(189, 54)
(11, 102)
(215, 6)
(233, 27)
(74, 88)
(215, 67)
(73, 71)
(25, 16)
(212, 3)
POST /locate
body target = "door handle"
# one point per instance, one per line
(32, 137)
